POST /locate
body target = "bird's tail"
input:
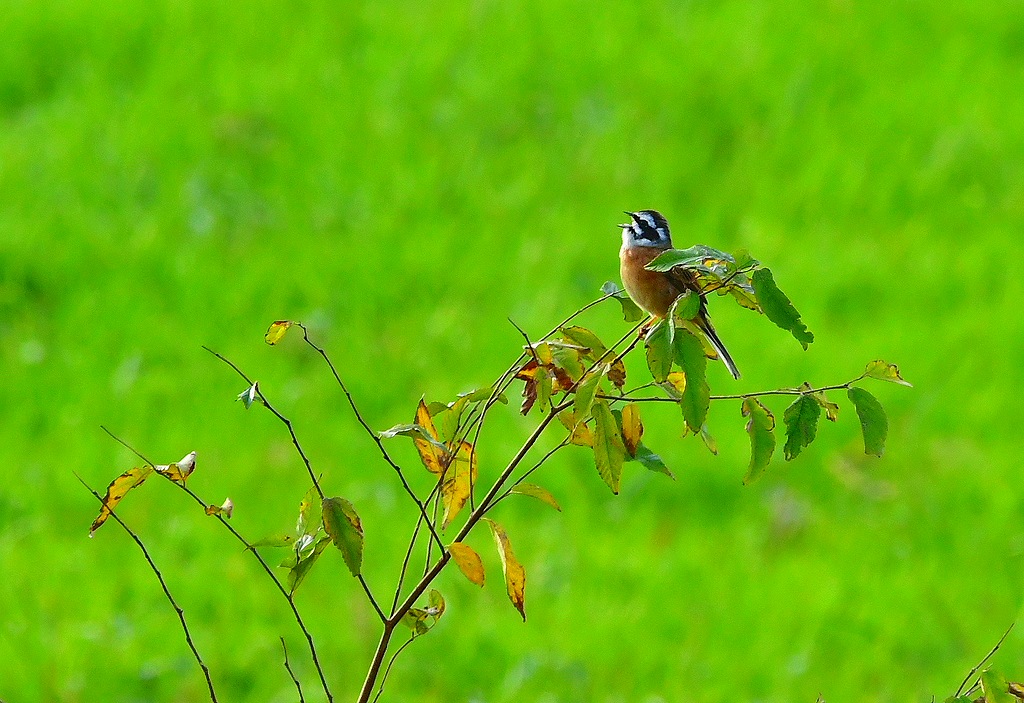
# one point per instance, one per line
(708, 329)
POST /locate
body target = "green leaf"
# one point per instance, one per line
(437, 605)
(416, 620)
(609, 451)
(698, 254)
(709, 441)
(996, 688)
(413, 430)
(585, 338)
(687, 305)
(342, 524)
(696, 396)
(568, 360)
(276, 541)
(631, 312)
(884, 371)
(651, 461)
(660, 351)
(778, 308)
(874, 424)
(801, 420)
(761, 430)
(248, 396)
(310, 514)
(541, 494)
(300, 570)
(586, 390)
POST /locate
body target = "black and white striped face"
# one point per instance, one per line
(648, 228)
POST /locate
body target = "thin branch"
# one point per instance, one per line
(373, 601)
(391, 662)
(279, 416)
(982, 662)
(266, 567)
(405, 562)
(526, 474)
(288, 667)
(739, 396)
(163, 584)
(369, 431)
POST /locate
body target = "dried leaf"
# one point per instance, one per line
(226, 509)
(541, 494)
(874, 424)
(831, 409)
(632, 428)
(515, 574)
(179, 471)
(118, 489)
(276, 331)
(884, 371)
(580, 433)
(432, 452)
(459, 479)
(761, 430)
(468, 561)
(342, 525)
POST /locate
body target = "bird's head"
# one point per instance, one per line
(647, 228)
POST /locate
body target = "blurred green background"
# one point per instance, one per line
(404, 177)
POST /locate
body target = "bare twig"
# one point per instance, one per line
(988, 656)
(739, 396)
(288, 667)
(263, 563)
(373, 601)
(163, 584)
(391, 662)
(282, 418)
(369, 431)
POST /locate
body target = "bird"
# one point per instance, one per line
(643, 238)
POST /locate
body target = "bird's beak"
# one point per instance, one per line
(628, 224)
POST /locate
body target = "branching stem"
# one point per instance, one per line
(163, 584)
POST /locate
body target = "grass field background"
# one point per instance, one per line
(404, 177)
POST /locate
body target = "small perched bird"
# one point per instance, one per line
(643, 239)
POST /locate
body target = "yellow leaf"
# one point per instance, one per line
(677, 381)
(884, 371)
(538, 492)
(276, 331)
(179, 471)
(581, 435)
(117, 490)
(632, 428)
(515, 574)
(461, 477)
(468, 561)
(430, 454)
